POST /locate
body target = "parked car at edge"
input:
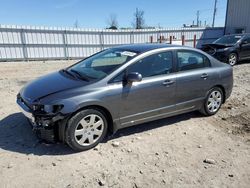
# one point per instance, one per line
(230, 48)
(122, 87)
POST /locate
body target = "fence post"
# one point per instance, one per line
(194, 40)
(183, 40)
(101, 41)
(24, 47)
(151, 39)
(131, 37)
(170, 39)
(65, 44)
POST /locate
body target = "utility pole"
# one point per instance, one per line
(198, 18)
(215, 10)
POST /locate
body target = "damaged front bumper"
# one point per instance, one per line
(43, 124)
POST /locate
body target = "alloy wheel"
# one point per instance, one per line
(232, 59)
(214, 101)
(89, 130)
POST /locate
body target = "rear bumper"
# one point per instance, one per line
(228, 83)
(228, 92)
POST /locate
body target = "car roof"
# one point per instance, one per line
(141, 48)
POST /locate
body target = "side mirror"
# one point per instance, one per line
(133, 77)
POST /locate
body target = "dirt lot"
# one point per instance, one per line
(165, 153)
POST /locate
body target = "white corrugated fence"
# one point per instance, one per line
(41, 43)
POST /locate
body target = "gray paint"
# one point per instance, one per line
(149, 99)
(237, 16)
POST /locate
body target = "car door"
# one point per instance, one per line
(245, 48)
(193, 80)
(154, 96)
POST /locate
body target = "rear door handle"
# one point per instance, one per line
(168, 82)
(204, 75)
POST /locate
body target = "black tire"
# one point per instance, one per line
(206, 109)
(73, 124)
(232, 59)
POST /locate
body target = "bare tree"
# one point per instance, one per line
(139, 21)
(112, 21)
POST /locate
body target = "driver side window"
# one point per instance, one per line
(153, 65)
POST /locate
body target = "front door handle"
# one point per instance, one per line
(168, 82)
(204, 75)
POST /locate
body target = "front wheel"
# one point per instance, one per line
(212, 102)
(232, 59)
(86, 129)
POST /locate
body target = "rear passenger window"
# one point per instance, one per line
(188, 60)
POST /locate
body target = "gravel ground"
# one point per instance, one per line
(183, 151)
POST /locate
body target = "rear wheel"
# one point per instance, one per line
(232, 59)
(213, 102)
(86, 129)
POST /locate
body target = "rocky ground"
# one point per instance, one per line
(183, 151)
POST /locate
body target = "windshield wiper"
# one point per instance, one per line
(69, 73)
(80, 75)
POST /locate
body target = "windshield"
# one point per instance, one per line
(101, 64)
(228, 39)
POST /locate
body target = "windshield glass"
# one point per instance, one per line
(228, 39)
(101, 64)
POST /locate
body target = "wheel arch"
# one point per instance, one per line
(223, 91)
(235, 52)
(104, 110)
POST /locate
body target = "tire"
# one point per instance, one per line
(86, 129)
(212, 102)
(232, 59)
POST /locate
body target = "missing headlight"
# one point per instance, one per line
(52, 108)
(47, 108)
(36, 107)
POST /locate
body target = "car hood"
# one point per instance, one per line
(216, 46)
(49, 84)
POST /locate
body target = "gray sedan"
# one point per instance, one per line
(121, 87)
